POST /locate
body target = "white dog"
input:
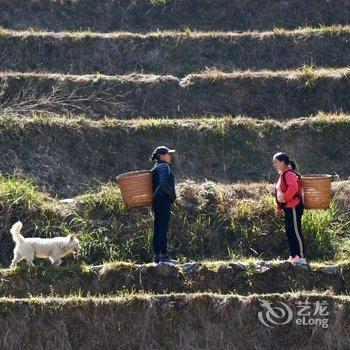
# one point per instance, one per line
(52, 248)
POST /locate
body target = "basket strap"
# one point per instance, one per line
(283, 179)
(156, 190)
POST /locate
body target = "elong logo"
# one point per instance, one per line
(274, 315)
(281, 313)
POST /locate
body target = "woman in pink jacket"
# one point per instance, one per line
(289, 200)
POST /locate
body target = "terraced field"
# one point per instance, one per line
(89, 88)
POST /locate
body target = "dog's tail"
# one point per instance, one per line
(16, 232)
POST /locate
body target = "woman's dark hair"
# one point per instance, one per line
(293, 165)
(283, 157)
(154, 156)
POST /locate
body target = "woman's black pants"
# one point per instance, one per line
(161, 209)
(292, 217)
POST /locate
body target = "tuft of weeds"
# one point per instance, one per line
(321, 228)
(158, 2)
(308, 74)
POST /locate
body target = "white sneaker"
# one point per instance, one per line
(298, 260)
(167, 260)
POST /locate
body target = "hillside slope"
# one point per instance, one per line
(145, 15)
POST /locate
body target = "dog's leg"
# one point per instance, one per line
(30, 262)
(29, 258)
(17, 258)
(56, 261)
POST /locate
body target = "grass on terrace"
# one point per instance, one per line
(188, 320)
(283, 94)
(73, 299)
(332, 30)
(210, 221)
(94, 152)
(244, 276)
(212, 74)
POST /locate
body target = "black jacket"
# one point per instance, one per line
(163, 180)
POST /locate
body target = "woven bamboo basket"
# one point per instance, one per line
(136, 188)
(316, 190)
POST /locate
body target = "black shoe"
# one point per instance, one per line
(166, 259)
(156, 259)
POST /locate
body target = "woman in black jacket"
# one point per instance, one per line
(164, 197)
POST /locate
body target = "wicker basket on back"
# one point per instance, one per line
(136, 188)
(317, 190)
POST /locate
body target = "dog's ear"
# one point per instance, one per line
(71, 238)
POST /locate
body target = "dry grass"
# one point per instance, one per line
(168, 321)
(210, 74)
(169, 14)
(78, 300)
(133, 77)
(185, 33)
(172, 53)
(245, 276)
(296, 74)
(262, 94)
(205, 123)
(92, 152)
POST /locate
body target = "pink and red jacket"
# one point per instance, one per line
(290, 185)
